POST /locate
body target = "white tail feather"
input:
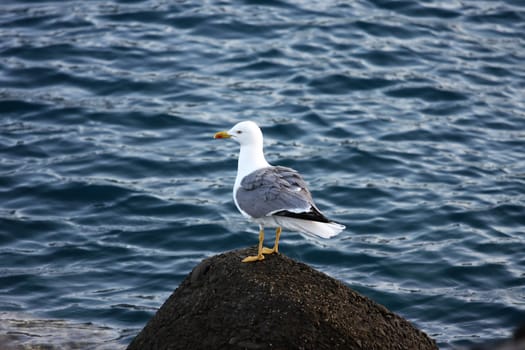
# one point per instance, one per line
(315, 228)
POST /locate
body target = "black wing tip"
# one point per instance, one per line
(312, 215)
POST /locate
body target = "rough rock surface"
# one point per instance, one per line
(276, 303)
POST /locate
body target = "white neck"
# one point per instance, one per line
(251, 158)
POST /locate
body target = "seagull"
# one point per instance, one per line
(274, 196)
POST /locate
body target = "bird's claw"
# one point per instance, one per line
(253, 258)
(268, 251)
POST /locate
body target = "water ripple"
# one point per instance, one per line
(405, 118)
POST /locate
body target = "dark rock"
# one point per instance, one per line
(276, 303)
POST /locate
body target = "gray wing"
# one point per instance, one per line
(277, 191)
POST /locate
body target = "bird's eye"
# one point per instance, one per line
(239, 132)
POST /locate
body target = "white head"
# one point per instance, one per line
(247, 133)
(251, 156)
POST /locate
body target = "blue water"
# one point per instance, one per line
(407, 119)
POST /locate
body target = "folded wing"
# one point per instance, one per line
(277, 191)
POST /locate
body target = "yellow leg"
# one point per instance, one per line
(259, 255)
(275, 248)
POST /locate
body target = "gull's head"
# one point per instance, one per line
(246, 133)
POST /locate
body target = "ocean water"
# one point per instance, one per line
(407, 119)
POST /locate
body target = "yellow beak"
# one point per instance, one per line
(222, 135)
